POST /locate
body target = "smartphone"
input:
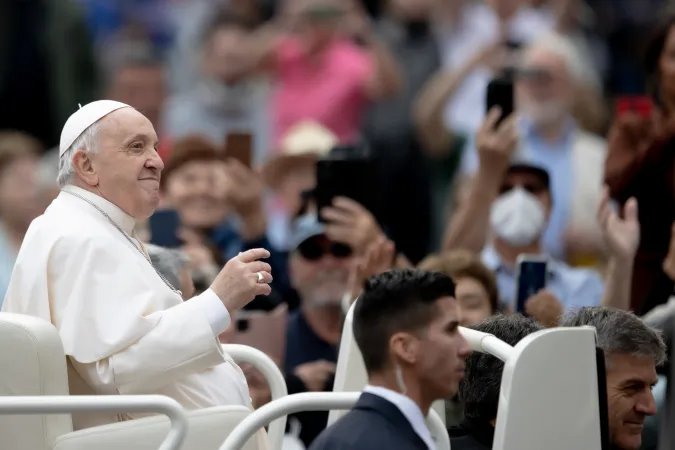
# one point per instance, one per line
(239, 146)
(500, 93)
(350, 177)
(641, 105)
(164, 225)
(531, 277)
(263, 330)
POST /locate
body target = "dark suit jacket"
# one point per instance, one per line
(373, 423)
(471, 435)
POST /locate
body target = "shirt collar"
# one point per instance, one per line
(408, 408)
(122, 219)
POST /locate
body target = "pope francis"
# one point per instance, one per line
(124, 329)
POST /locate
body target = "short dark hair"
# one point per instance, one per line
(395, 301)
(479, 389)
(620, 332)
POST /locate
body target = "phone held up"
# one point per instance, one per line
(347, 172)
(531, 277)
(500, 94)
(239, 146)
(164, 225)
(641, 105)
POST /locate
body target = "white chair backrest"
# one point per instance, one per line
(33, 363)
(549, 393)
(350, 374)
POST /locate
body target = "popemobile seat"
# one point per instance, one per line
(34, 364)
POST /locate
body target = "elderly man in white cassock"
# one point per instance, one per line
(125, 330)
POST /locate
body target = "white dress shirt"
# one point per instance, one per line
(409, 409)
(124, 330)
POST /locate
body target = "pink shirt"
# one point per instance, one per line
(328, 89)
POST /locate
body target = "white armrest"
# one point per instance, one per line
(275, 380)
(207, 428)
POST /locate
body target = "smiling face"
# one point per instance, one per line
(125, 169)
(630, 400)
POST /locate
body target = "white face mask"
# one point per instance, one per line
(518, 217)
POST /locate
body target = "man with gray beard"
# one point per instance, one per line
(318, 270)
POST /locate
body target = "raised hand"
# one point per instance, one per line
(350, 223)
(545, 308)
(621, 235)
(243, 278)
(496, 144)
(378, 258)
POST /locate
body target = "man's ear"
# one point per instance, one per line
(84, 168)
(404, 346)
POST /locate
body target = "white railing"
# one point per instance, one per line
(275, 380)
(313, 401)
(487, 343)
(66, 404)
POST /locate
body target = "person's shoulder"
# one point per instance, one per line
(351, 431)
(578, 277)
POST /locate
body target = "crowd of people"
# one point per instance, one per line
(187, 204)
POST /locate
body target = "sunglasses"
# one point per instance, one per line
(532, 188)
(315, 249)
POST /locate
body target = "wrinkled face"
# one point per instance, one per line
(544, 89)
(225, 54)
(142, 87)
(126, 168)
(667, 67)
(440, 351)
(197, 191)
(319, 271)
(20, 200)
(473, 300)
(531, 183)
(630, 400)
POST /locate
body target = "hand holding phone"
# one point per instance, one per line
(500, 94)
(531, 277)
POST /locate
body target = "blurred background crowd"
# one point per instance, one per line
(248, 95)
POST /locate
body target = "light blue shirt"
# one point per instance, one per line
(7, 260)
(556, 159)
(573, 287)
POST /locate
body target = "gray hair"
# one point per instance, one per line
(479, 389)
(168, 262)
(85, 142)
(620, 333)
(578, 64)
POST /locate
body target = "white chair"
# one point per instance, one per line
(350, 374)
(315, 401)
(34, 364)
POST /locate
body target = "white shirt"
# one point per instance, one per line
(409, 409)
(124, 330)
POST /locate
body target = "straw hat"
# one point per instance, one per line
(306, 142)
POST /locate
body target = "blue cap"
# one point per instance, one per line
(303, 228)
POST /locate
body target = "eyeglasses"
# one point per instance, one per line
(315, 249)
(532, 188)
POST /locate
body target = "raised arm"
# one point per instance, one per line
(126, 335)
(469, 226)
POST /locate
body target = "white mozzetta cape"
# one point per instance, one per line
(124, 330)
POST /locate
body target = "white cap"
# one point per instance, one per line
(85, 117)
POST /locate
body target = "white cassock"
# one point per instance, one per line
(124, 330)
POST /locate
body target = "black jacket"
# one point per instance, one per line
(471, 435)
(373, 423)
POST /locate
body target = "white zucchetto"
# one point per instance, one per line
(85, 117)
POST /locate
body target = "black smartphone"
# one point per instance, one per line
(345, 177)
(164, 225)
(531, 277)
(500, 93)
(239, 146)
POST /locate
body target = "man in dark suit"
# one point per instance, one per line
(479, 390)
(406, 326)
